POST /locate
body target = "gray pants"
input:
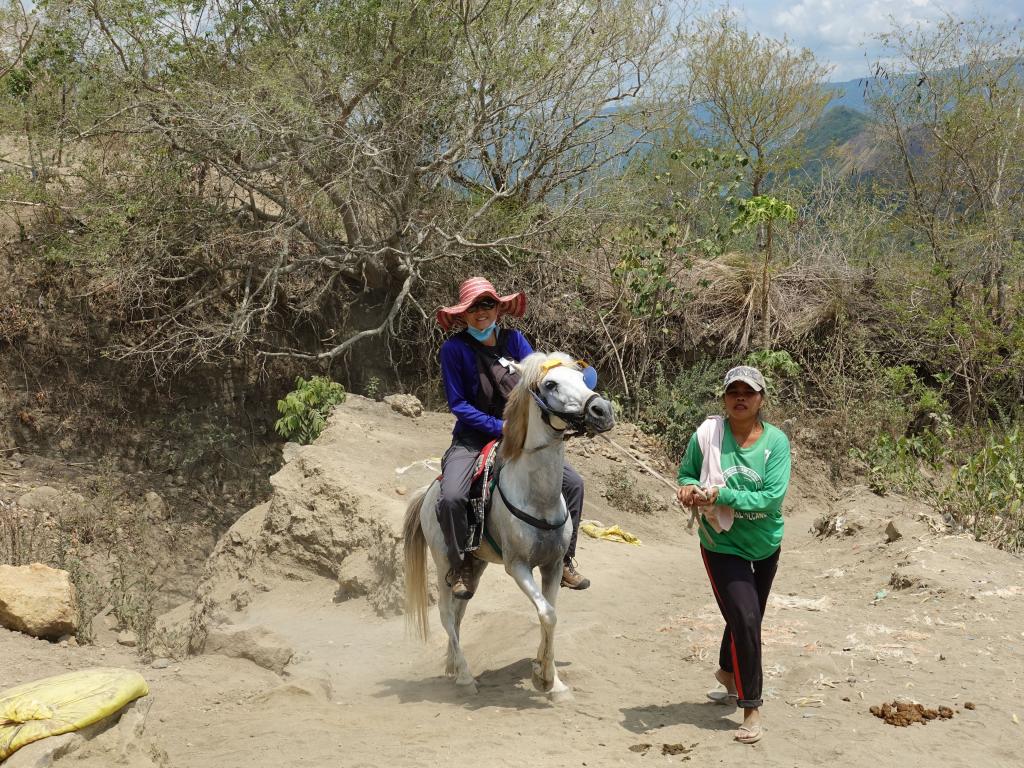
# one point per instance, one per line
(453, 508)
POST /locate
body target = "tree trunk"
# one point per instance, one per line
(766, 281)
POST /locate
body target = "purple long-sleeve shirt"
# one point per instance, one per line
(462, 381)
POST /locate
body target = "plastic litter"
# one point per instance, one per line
(597, 530)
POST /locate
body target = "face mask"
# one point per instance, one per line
(481, 335)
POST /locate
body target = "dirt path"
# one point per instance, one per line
(638, 650)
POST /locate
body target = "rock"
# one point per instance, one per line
(42, 499)
(285, 695)
(835, 524)
(401, 490)
(892, 533)
(154, 505)
(356, 577)
(290, 451)
(50, 501)
(127, 638)
(257, 644)
(161, 663)
(407, 405)
(43, 753)
(124, 738)
(38, 600)
(241, 599)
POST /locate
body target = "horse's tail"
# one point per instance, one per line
(416, 600)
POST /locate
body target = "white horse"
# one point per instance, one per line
(528, 520)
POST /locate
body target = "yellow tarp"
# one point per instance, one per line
(64, 703)
(609, 533)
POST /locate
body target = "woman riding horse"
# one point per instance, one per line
(478, 377)
(528, 525)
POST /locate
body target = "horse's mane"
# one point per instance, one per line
(517, 410)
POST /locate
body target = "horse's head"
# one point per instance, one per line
(554, 384)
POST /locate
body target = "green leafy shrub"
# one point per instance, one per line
(986, 494)
(304, 410)
(913, 429)
(374, 388)
(894, 464)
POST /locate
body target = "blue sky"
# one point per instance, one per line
(840, 31)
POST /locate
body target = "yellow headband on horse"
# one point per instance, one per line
(589, 373)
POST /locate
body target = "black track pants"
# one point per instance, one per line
(741, 588)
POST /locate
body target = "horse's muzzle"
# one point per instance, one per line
(599, 415)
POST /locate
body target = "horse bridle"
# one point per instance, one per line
(577, 421)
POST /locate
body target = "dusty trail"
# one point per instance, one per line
(638, 648)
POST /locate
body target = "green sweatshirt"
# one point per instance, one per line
(756, 480)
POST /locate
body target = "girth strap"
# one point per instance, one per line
(544, 525)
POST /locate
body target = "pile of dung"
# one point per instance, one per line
(904, 713)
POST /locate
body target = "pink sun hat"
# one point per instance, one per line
(474, 288)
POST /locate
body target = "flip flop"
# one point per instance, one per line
(722, 697)
(748, 735)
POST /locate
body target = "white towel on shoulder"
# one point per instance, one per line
(709, 437)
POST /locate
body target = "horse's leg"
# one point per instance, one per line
(474, 583)
(451, 617)
(551, 581)
(544, 676)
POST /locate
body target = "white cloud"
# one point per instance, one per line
(844, 32)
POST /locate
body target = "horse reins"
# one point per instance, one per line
(654, 474)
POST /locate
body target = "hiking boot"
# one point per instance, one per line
(459, 579)
(572, 578)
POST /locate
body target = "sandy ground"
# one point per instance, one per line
(638, 649)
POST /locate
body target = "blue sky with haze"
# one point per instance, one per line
(841, 31)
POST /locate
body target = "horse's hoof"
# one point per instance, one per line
(560, 695)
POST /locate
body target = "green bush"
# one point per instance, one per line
(894, 463)
(781, 372)
(304, 410)
(986, 494)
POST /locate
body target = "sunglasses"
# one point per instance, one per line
(484, 304)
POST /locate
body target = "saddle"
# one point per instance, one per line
(480, 494)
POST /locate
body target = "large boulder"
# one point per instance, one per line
(38, 600)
